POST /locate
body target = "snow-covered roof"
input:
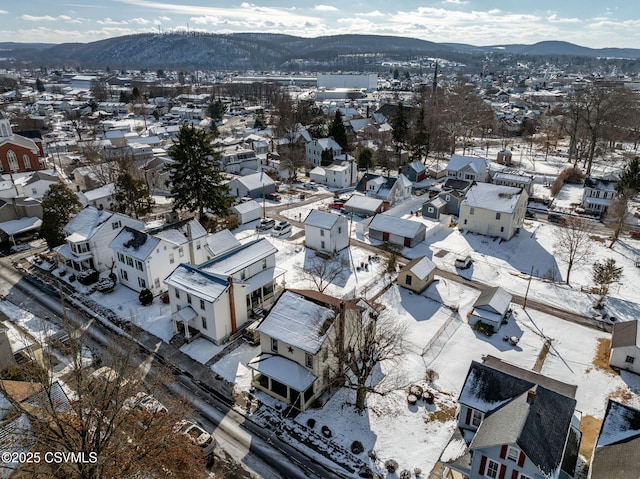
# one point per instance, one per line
(499, 198)
(22, 225)
(284, 370)
(396, 226)
(362, 202)
(239, 258)
(255, 180)
(297, 321)
(85, 224)
(181, 232)
(321, 219)
(135, 243)
(621, 423)
(221, 242)
(197, 282)
(495, 298)
(102, 192)
(458, 162)
(246, 207)
(421, 268)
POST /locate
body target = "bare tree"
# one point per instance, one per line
(617, 214)
(573, 242)
(369, 340)
(322, 272)
(104, 419)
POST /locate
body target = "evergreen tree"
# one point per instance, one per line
(195, 178)
(132, 196)
(59, 205)
(216, 110)
(364, 157)
(630, 177)
(326, 157)
(605, 274)
(400, 126)
(338, 131)
(39, 85)
(419, 141)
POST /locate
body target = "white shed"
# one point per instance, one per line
(247, 211)
(625, 346)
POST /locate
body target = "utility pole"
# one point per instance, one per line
(524, 303)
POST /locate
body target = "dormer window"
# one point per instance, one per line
(116, 224)
(80, 248)
(513, 454)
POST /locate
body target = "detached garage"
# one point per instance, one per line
(247, 211)
(397, 231)
(491, 307)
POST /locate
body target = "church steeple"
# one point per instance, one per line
(5, 126)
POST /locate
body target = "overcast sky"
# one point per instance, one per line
(591, 23)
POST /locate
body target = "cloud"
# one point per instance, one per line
(3, 12)
(456, 2)
(140, 21)
(110, 21)
(325, 8)
(32, 18)
(375, 13)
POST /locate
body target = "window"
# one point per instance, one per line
(447, 198)
(274, 345)
(502, 229)
(407, 280)
(430, 209)
(325, 354)
(339, 229)
(243, 274)
(181, 252)
(177, 294)
(465, 221)
(308, 360)
(321, 232)
(142, 283)
(116, 224)
(204, 322)
(13, 160)
(34, 191)
(472, 211)
(129, 261)
(513, 454)
(202, 304)
(198, 245)
(156, 283)
(522, 476)
(121, 257)
(322, 244)
(492, 469)
(497, 216)
(476, 419)
(629, 359)
(139, 265)
(264, 263)
(123, 275)
(188, 298)
(171, 259)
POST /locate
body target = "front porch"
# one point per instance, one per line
(283, 379)
(184, 324)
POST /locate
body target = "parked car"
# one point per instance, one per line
(464, 263)
(146, 402)
(198, 435)
(273, 196)
(19, 247)
(635, 233)
(265, 224)
(281, 229)
(336, 205)
(310, 186)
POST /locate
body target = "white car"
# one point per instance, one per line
(281, 229)
(198, 435)
(146, 402)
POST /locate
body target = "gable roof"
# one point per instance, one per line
(458, 162)
(420, 267)
(255, 181)
(298, 321)
(616, 452)
(321, 219)
(503, 199)
(397, 226)
(539, 426)
(221, 242)
(494, 298)
(625, 333)
(86, 223)
(200, 283)
(135, 243)
(239, 258)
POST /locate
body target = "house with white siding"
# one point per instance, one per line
(219, 297)
(599, 194)
(314, 149)
(470, 168)
(145, 258)
(88, 235)
(625, 346)
(493, 210)
(327, 232)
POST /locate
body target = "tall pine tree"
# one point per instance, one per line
(195, 178)
(59, 205)
(338, 131)
(132, 196)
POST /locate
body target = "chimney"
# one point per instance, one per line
(531, 396)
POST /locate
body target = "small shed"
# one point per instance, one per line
(397, 230)
(415, 171)
(625, 346)
(434, 208)
(417, 274)
(504, 157)
(247, 211)
(363, 205)
(491, 307)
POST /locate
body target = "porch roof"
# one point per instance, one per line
(262, 278)
(283, 370)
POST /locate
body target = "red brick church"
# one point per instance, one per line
(18, 153)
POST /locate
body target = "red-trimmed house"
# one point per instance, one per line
(18, 153)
